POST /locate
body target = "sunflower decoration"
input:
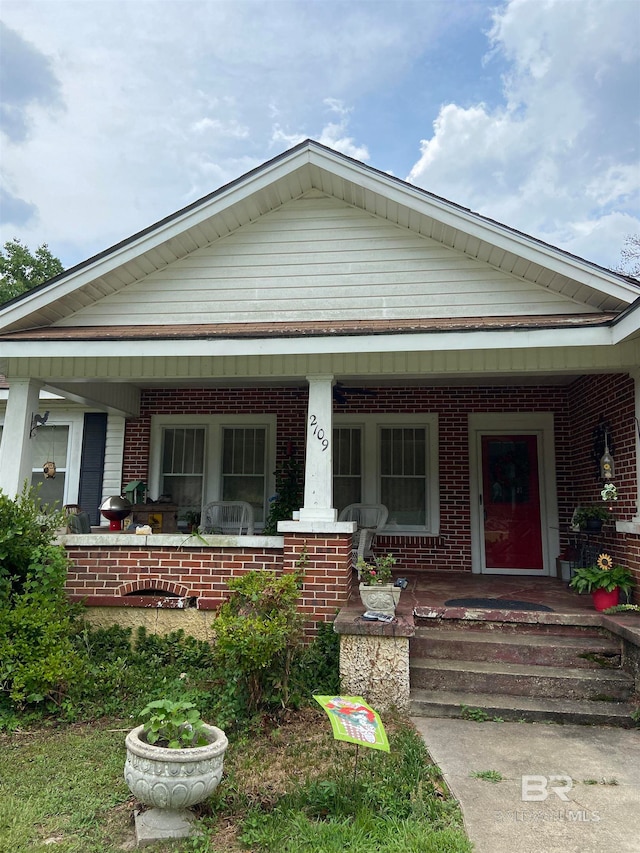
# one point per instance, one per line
(605, 562)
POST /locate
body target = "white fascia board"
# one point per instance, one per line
(421, 342)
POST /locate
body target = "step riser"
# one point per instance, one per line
(584, 656)
(424, 626)
(435, 709)
(565, 687)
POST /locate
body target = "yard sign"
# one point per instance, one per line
(354, 721)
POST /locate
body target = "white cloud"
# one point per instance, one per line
(556, 158)
(165, 100)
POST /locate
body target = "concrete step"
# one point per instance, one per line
(537, 649)
(574, 625)
(479, 706)
(519, 679)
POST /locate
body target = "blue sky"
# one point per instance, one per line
(115, 114)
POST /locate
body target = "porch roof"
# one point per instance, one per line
(307, 329)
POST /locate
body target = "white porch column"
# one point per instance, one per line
(15, 452)
(318, 477)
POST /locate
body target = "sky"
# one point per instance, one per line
(115, 114)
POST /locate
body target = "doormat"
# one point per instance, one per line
(497, 604)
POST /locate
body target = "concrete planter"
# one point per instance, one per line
(380, 597)
(171, 780)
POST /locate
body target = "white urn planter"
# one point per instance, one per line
(171, 780)
(380, 597)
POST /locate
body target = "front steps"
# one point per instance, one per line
(518, 670)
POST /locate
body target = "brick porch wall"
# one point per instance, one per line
(114, 575)
(114, 571)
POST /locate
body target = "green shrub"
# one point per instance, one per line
(26, 537)
(317, 668)
(38, 660)
(257, 633)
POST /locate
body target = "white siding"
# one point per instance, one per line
(316, 259)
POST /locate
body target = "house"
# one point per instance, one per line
(403, 349)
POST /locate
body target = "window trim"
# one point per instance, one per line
(214, 424)
(370, 426)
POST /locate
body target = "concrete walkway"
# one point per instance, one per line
(593, 808)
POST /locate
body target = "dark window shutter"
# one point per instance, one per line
(92, 464)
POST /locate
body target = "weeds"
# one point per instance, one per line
(488, 775)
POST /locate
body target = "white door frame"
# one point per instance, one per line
(505, 423)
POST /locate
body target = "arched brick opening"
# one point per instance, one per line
(155, 584)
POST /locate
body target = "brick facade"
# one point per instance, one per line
(577, 408)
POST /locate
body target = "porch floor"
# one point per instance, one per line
(428, 591)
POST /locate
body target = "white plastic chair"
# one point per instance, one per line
(228, 517)
(371, 519)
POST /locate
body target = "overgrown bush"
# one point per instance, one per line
(38, 661)
(257, 634)
(26, 537)
(317, 668)
(53, 663)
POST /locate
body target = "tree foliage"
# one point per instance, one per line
(630, 256)
(20, 270)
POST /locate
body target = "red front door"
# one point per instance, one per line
(511, 503)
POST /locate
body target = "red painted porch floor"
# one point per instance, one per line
(428, 591)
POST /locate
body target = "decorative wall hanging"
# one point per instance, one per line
(607, 469)
(603, 450)
(49, 469)
(37, 421)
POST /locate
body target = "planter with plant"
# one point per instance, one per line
(174, 761)
(192, 518)
(377, 592)
(604, 581)
(591, 517)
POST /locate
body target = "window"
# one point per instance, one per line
(392, 460)
(243, 467)
(182, 473)
(49, 444)
(403, 484)
(203, 458)
(347, 466)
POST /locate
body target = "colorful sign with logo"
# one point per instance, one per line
(354, 721)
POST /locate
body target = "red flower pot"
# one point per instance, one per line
(603, 599)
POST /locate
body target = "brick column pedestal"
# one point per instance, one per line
(324, 554)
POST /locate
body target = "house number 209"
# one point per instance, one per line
(318, 432)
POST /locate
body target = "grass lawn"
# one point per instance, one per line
(285, 788)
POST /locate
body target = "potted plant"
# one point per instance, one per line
(192, 517)
(604, 581)
(591, 517)
(174, 760)
(376, 590)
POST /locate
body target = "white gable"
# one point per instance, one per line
(318, 258)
